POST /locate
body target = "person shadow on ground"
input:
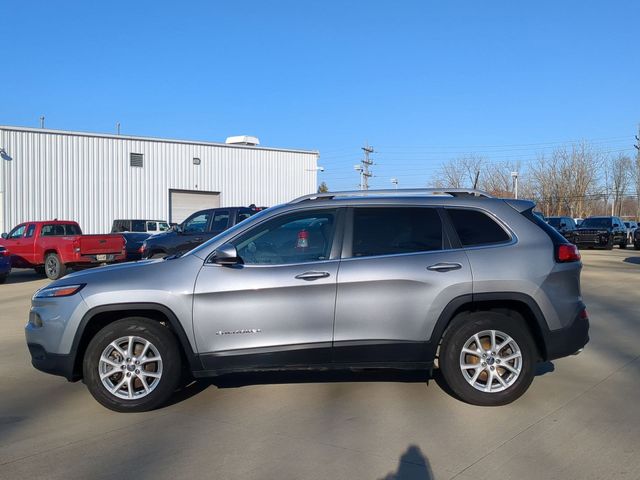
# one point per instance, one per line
(413, 465)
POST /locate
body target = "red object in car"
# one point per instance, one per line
(303, 239)
(567, 252)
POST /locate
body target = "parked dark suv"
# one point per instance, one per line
(478, 287)
(198, 228)
(601, 232)
(565, 225)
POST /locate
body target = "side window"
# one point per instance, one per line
(70, 229)
(476, 228)
(198, 223)
(393, 230)
(30, 231)
(151, 226)
(571, 223)
(295, 238)
(220, 221)
(52, 231)
(138, 226)
(244, 214)
(17, 232)
(163, 226)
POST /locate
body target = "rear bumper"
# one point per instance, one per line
(55, 364)
(568, 340)
(98, 259)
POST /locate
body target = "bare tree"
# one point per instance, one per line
(462, 172)
(636, 182)
(620, 176)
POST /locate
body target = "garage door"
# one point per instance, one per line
(183, 203)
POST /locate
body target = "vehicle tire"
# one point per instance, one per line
(132, 387)
(53, 267)
(623, 245)
(636, 246)
(482, 384)
(3, 278)
(39, 270)
(609, 244)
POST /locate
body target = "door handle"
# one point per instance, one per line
(198, 239)
(444, 267)
(312, 275)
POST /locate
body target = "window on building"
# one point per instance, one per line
(393, 230)
(476, 228)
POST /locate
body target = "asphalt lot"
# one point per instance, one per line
(579, 420)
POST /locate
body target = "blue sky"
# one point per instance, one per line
(422, 81)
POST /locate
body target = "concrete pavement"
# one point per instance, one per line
(579, 420)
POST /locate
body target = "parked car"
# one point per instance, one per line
(601, 232)
(333, 280)
(565, 225)
(133, 244)
(631, 229)
(139, 226)
(540, 215)
(198, 228)
(636, 239)
(5, 264)
(52, 247)
(578, 221)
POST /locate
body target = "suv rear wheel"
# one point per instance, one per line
(487, 358)
(132, 365)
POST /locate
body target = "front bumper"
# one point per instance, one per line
(53, 363)
(568, 340)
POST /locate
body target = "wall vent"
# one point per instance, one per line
(136, 159)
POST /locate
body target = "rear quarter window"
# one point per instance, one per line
(476, 228)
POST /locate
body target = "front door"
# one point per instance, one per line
(395, 279)
(20, 245)
(277, 306)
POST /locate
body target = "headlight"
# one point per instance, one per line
(63, 291)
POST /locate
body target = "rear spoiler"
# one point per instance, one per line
(519, 205)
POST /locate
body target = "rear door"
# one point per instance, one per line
(395, 278)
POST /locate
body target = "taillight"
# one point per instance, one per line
(4, 252)
(567, 252)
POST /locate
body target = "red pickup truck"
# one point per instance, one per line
(52, 247)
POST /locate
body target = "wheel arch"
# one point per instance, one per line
(99, 317)
(510, 303)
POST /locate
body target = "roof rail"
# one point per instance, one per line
(452, 192)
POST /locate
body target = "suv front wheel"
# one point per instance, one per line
(487, 358)
(132, 365)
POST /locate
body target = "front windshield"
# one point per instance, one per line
(596, 222)
(231, 231)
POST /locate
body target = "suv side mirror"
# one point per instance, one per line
(5, 236)
(226, 254)
(178, 229)
(563, 224)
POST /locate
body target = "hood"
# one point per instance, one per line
(121, 267)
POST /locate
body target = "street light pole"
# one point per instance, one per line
(514, 175)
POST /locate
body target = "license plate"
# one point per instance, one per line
(101, 258)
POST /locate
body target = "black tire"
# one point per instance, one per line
(636, 246)
(461, 329)
(53, 267)
(3, 278)
(39, 270)
(623, 245)
(609, 244)
(161, 338)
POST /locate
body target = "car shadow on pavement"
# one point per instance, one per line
(634, 260)
(412, 465)
(24, 276)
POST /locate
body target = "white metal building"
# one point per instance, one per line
(96, 178)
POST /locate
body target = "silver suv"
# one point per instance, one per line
(479, 287)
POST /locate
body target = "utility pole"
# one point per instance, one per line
(366, 162)
(637, 169)
(395, 182)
